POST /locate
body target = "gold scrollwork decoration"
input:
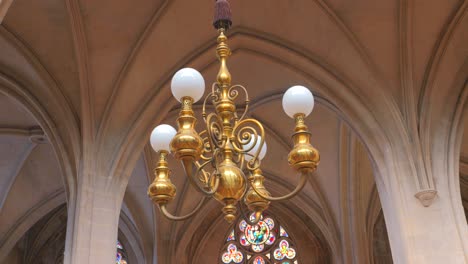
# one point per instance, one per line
(233, 91)
(247, 132)
(215, 131)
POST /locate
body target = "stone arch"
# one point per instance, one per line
(379, 131)
(21, 95)
(443, 97)
(28, 220)
(31, 86)
(66, 159)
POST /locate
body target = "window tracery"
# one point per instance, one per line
(266, 242)
(121, 257)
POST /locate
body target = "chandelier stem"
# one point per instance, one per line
(223, 52)
(299, 187)
(225, 107)
(170, 216)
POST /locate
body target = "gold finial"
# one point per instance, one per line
(223, 51)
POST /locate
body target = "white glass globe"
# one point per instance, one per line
(298, 100)
(188, 82)
(254, 150)
(161, 137)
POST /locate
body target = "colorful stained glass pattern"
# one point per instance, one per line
(259, 260)
(258, 247)
(242, 225)
(232, 255)
(120, 257)
(283, 232)
(257, 234)
(265, 242)
(284, 251)
(231, 236)
(269, 222)
(244, 241)
(271, 238)
(119, 246)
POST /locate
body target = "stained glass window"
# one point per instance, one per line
(121, 257)
(266, 242)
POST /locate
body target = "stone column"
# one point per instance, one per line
(95, 218)
(420, 231)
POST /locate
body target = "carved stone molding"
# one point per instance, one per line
(426, 197)
(428, 99)
(37, 136)
(4, 6)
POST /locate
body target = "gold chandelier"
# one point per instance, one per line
(223, 161)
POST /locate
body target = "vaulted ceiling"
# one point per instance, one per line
(101, 71)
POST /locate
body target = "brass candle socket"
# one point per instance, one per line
(303, 157)
(162, 191)
(187, 144)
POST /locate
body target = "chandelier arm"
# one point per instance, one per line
(191, 170)
(200, 169)
(299, 187)
(208, 180)
(241, 161)
(170, 216)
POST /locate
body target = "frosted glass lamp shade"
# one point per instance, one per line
(161, 137)
(187, 82)
(254, 150)
(298, 100)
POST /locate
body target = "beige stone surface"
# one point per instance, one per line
(92, 79)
